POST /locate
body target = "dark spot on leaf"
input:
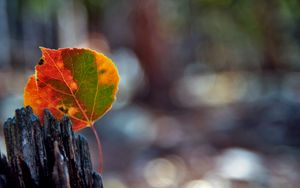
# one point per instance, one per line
(41, 61)
(102, 71)
(64, 110)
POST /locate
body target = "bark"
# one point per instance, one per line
(47, 155)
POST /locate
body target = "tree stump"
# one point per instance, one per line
(47, 155)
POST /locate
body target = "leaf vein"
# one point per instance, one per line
(75, 99)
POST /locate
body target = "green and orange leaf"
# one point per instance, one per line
(78, 82)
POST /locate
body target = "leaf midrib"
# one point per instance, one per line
(72, 94)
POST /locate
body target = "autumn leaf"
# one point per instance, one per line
(78, 82)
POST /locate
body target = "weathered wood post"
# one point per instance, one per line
(47, 155)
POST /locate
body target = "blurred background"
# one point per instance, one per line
(209, 94)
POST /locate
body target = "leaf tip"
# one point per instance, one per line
(42, 48)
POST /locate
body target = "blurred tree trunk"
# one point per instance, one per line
(268, 17)
(151, 48)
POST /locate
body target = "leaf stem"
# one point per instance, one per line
(100, 153)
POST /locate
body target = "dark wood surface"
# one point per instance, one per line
(47, 155)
